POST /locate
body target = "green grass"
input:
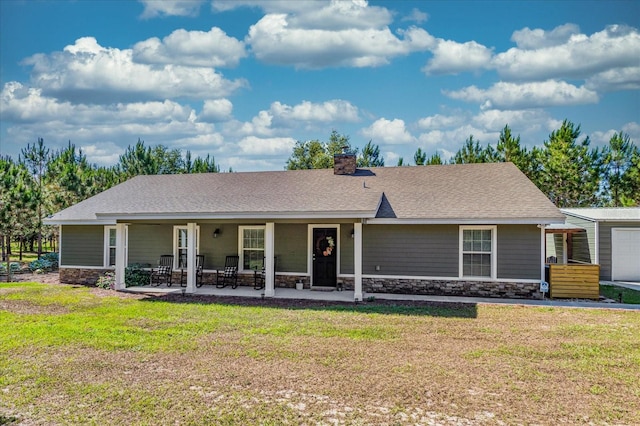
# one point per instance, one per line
(77, 355)
(615, 292)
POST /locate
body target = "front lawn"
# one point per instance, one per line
(77, 355)
(616, 293)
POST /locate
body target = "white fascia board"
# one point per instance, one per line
(465, 221)
(80, 222)
(579, 216)
(243, 215)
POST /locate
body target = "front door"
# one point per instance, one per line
(324, 256)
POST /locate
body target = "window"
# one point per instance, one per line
(110, 245)
(477, 254)
(180, 245)
(251, 247)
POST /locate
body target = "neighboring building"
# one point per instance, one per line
(612, 240)
(475, 229)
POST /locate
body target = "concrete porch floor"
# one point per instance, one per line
(246, 291)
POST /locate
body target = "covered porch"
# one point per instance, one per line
(566, 270)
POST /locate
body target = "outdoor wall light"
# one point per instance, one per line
(352, 232)
(216, 233)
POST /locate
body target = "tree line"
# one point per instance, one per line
(566, 168)
(41, 182)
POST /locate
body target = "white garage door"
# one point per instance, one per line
(625, 254)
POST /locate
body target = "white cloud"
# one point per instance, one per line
(505, 95)
(89, 73)
(451, 140)
(602, 137)
(416, 16)
(438, 121)
(334, 110)
(274, 41)
(523, 120)
(539, 38)
(450, 57)
(392, 132)
(155, 8)
(191, 48)
(580, 56)
(266, 146)
(615, 79)
(215, 110)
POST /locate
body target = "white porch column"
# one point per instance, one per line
(543, 251)
(121, 255)
(191, 257)
(357, 261)
(269, 284)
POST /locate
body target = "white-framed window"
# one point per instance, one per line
(478, 252)
(180, 245)
(251, 247)
(110, 245)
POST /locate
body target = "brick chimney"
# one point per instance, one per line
(344, 164)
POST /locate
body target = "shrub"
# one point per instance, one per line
(135, 275)
(107, 281)
(15, 267)
(40, 265)
(51, 257)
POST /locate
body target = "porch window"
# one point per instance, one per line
(251, 247)
(478, 251)
(180, 245)
(110, 245)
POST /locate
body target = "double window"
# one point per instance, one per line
(478, 251)
(110, 245)
(251, 248)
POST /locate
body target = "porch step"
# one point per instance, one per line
(320, 288)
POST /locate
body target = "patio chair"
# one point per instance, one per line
(229, 275)
(199, 268)
(183, 270)
(259, 275)
(163, 272)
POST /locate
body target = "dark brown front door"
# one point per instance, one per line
(324, 256)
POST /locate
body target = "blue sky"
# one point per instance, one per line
(244, 80)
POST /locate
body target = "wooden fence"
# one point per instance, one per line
(574, 281)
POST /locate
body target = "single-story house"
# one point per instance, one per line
(611, 238)
(474, 229)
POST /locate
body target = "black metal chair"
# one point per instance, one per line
(199, 268)
(183, 270)
(229, 275)
(259, 275)
(164, 271)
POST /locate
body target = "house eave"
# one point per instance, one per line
(239, 215)
(56, 222)
(465, 221)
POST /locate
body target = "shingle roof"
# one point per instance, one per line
(497, 192)
(622, 214)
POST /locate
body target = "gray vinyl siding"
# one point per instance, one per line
(519, 254)
(584, 246)
(82, 245)
(215, 250)
(148, 242)
(346, 249)
(605, 245)
(412, 250)
(291, 247)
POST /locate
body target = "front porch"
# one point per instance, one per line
(247, 291)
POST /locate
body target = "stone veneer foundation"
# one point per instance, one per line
(452, 288)
(369, 285)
